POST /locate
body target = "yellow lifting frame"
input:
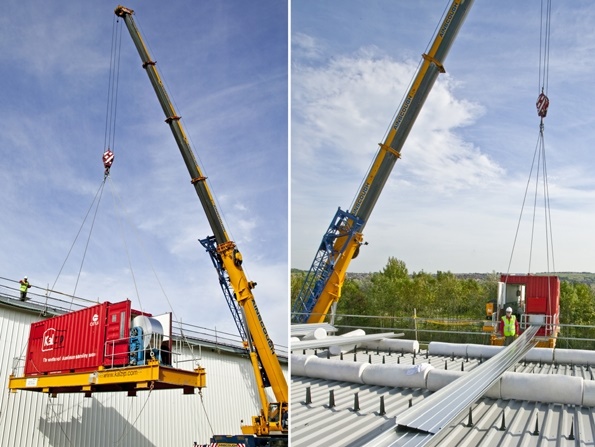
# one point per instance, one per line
(152, 376)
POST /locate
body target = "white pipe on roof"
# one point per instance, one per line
(294, 339)
(574, 356)
(298, 364)
(330, 369)
(317, 334)
(438, 378)
(448, 349)
(392, 345)
(406, 376)
(548, 388)
(589, 393)
(336, 350)
(544, 355)
(482, 351)
(299, 330)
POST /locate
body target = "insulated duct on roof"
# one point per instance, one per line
(543, 355)
(337, 350)
(548, 388)
(392, 345)
(316, 334)
(395, 375)
(334, 369)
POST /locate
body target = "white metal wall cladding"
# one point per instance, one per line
(160, 419)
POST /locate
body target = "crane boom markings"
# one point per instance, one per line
(448, 19)
(360, 198)
(403, 111)
(264, 329)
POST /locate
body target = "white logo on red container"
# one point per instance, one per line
(48, 339)
(95, 320)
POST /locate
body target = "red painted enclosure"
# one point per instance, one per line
(81, 340)
(542, 297)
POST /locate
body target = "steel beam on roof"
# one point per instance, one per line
(421, 424)
(439, 409)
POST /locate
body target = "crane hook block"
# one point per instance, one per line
(543, 103)
(108, 159)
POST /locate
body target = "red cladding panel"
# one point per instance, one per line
(70, 342)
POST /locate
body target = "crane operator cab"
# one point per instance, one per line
(277, 417)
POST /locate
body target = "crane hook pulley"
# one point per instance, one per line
(542, 104)
(108, 159)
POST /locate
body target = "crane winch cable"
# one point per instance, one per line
(109, 141)
(108, 145)
(539, 164)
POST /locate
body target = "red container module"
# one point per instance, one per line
(80, 341)
(542, 297)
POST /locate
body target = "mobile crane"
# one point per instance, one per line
(341, 242)
(270, 426)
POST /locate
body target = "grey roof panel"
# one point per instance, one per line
(318, 424)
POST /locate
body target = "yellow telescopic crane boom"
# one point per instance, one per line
(228, 262)
(341, 242)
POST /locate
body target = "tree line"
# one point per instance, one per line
(448, 307)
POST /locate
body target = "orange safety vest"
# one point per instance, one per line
(509, 326)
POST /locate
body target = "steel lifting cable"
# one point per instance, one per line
(116, 43)
(130, 426)
(205, 410)
(109, 142)
(121, 215)
(539, 158)
(96, 198)
(112, 97)
(48, 404)
(116, 201)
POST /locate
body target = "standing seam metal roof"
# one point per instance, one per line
(319, 424)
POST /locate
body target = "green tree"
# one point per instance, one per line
(297, 280)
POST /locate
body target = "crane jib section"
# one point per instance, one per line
(224, 254)
(173, 120)
(329, 268)
(430, 68)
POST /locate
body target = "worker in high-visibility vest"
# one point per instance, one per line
(24, 287)
(509, 327)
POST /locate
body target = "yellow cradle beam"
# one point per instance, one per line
(131, 379)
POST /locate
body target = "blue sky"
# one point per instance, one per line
(225, 66)
(453, 201)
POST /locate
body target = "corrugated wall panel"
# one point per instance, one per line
(161, 419)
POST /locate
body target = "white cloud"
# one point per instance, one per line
(452, 201)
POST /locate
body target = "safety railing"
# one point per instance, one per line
(459, 330)
(48, 302)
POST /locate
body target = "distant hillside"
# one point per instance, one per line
(572, 277)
